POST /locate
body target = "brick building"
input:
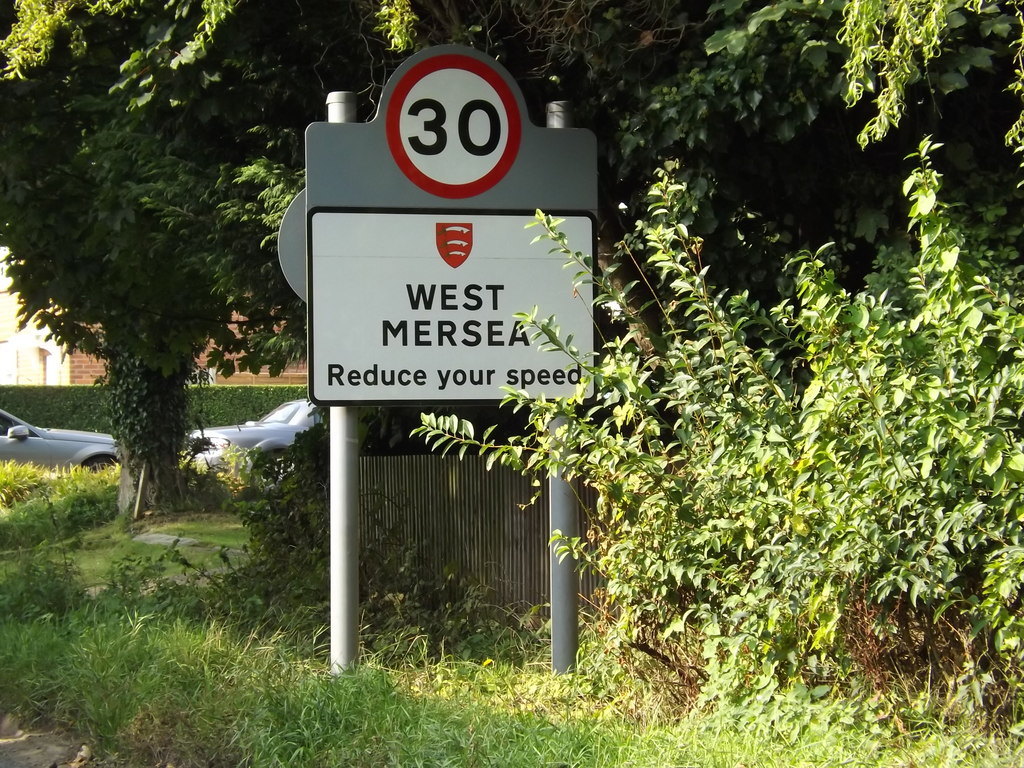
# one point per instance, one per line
(27, 357)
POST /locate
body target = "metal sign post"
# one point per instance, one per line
(344, 492)
(563, 514)
(417, 261)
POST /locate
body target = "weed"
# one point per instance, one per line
(18, 481)
(62, 504)
(37, 586)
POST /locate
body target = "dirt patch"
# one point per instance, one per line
(37, 750)
(47, 749)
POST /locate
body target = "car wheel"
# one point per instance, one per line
(96, 463)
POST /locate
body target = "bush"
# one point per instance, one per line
(37, 587)
(821, 495)
(60, 505)
(286, 512)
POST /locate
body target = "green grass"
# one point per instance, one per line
(135, 671)
(163, 689)
(19, 481)
(71, 515)
(54, 505)
(210, 529)
(99, 548)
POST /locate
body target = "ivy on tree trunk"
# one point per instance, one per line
(150, 415)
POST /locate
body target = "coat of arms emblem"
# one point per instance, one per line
(454, 242)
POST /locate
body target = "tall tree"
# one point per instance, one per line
(139, 195)
(752, 101)
(170, 134)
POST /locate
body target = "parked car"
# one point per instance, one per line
(21, 442)
(273, 433)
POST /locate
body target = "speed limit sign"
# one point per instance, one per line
(453, 126)
(421, 272)
(451, 131)
(418, 259)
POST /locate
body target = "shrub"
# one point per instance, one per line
(403, 599)
(60, 505)
(284, 509)
(17, 481)
(36, 587)
(67, 407)
(820, 494)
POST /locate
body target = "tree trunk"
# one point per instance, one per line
(150, 415)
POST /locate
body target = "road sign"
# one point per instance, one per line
(453, 125)
(418, 255)
(352, 164)
(291, 245)
(417, 246)
(434, 315)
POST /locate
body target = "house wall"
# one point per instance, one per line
(27, 357)
(293, 374)
(84, 369)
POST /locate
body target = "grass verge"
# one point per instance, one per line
(93, 551)
(98, 549)
(165, 689)
(143, 670)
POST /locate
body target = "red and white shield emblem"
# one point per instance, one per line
(454, 242)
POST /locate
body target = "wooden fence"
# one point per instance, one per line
(491, 526)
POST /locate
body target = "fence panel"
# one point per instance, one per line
(491, 526)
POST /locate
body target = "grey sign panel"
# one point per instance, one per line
(354, 168)
(353, 164)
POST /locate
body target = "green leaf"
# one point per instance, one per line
(869, 222)
(993, 459)
(925, 202)
(858, 315)
(952, 81)
(734, 40)
(811, 392)
(948, 259)
(974, 317)
(926, 466)
(773, 12)
(815, 53)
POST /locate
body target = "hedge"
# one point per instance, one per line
(78, 407)
(85, 407)
(224, 404)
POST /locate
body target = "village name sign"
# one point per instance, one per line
(419, 254)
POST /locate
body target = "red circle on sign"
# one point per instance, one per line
(394, 136)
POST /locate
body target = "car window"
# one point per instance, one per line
(304, 416)
(5, 424)
(282, 414)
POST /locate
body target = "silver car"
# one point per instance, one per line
(271, 434)
(23, 443)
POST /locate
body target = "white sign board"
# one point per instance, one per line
(415, 306)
